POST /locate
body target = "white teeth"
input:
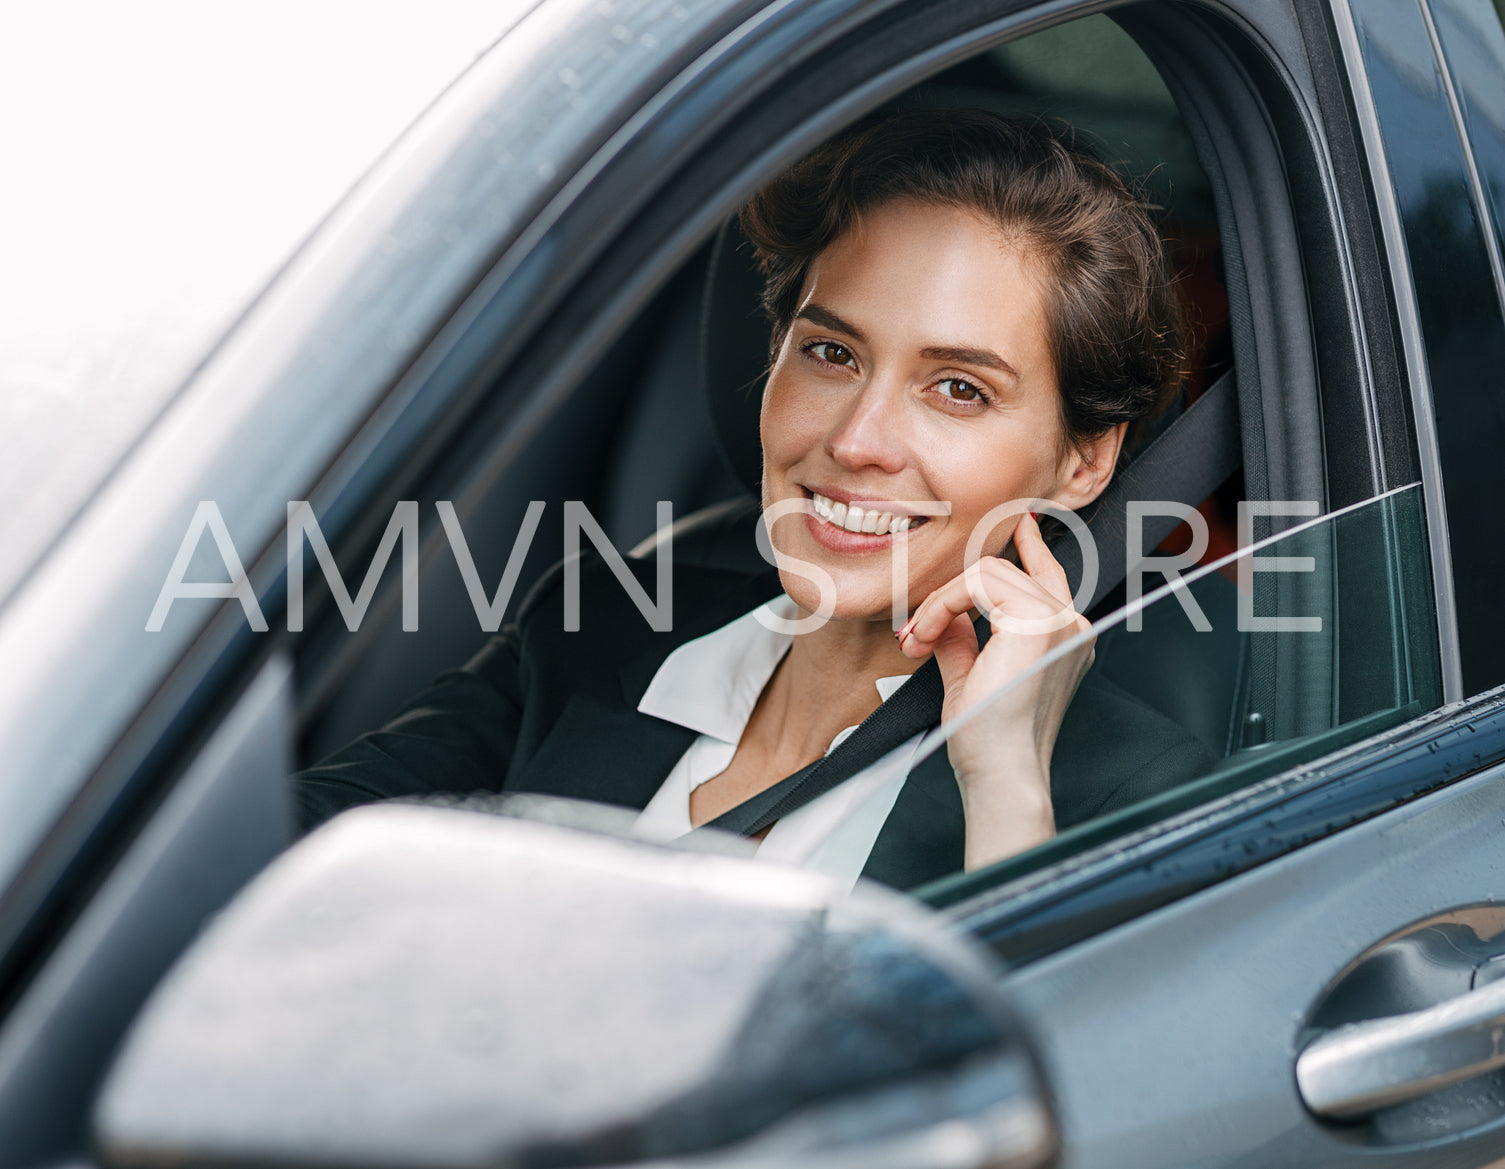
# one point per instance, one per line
(855, 519)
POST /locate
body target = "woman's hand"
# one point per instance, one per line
(1002, 756)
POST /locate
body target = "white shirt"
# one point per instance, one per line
(711, 685)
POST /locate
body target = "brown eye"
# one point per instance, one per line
(960, 391)
(832, 353)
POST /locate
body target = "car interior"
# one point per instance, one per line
(669, 412)
(649, 397)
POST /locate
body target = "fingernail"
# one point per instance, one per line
(905, 629)
(1034, 517)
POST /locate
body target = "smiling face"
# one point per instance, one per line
(917, 369)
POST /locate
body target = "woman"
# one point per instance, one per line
(967, 313)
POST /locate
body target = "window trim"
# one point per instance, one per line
(623, 273)
(1403, 293)
(1171, 860)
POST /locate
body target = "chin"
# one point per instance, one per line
(855, 601)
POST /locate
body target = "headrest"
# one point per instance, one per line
(734, 333)
(734, 337)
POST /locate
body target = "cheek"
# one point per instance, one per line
(976, 477)
(787, 425)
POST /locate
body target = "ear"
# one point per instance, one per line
(1088, 469)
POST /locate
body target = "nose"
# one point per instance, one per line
(869, 432)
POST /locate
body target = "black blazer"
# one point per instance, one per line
(542, 710)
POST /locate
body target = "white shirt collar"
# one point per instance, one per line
(711, 684)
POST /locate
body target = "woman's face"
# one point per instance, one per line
(917, 370)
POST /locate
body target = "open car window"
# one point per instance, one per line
(634, 437)
(1247, 668)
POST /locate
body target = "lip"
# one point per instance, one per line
(861, 498)
(835, 539)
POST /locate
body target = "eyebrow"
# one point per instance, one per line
(819, 314)
(966, 355)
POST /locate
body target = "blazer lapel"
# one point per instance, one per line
(924, 837)
(730, 597)
(600, 748)
(604, 751)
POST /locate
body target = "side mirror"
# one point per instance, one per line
(415, 986)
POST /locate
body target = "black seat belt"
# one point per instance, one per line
(914, 707)
(1185, 464)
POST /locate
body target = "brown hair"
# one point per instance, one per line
(1118, 334)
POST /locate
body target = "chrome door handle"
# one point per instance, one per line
(1360, 1068)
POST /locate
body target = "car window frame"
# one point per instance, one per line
(622, 282)
(1455, 268)
(1363, 460)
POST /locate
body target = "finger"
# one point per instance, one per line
(1036, 558)
(989, 585)
(956, 651)
(934, 616)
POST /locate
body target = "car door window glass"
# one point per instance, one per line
(1314, 639)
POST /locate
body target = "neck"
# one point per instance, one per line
(827, 682)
